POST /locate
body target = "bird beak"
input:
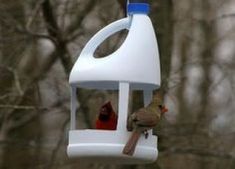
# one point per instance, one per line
(164, 109)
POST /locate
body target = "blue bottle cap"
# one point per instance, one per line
(137, 8)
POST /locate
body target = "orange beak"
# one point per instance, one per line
(164, 109)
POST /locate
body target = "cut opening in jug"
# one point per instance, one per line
(97, 109)
(111, 44)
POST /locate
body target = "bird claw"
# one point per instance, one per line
(146, 134)
(134, 117)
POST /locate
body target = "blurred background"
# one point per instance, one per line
(39, 43)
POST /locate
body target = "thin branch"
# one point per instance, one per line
(20, 107)
(72, 28)
(44, 69)
(199, 152)
(14, 124)
(17, 83)
(34, 14)
(26, 31)
(16, 78)
(58, 145)
(224, 16)
(39, 35)
(66, 10)
(54, 31)
(50, 19)
(30, 21)
(74, 36)
(2, 97)
(26, 107)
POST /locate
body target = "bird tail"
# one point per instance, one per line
(131, 143)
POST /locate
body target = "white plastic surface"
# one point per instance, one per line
(136, 61)
(103, 146)
(135, 65)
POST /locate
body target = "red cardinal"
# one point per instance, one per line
(107, 118)
(141, 121)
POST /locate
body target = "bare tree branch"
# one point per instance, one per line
(14, 124)
(58, 145)
(21, 107)
(199, 152)
(55, 32)
(35, 11)
(73, 27)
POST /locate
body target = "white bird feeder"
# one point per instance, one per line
(134, 66)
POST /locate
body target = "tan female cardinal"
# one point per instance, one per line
(141, 121)
(107, 118)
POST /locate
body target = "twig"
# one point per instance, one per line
(34, 14)
(80, 17)
(74, 35)
(199, 152)
(30, 21)
(7, 106)
(22, 121)
(59, 143)
(55, 32)
(17, 83)
(225, 16)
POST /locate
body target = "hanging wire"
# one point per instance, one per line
(127, 2)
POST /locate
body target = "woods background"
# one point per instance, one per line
(39, 42)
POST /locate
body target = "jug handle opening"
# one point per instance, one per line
(103, 34)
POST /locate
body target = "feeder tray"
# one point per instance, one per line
(103, 146)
